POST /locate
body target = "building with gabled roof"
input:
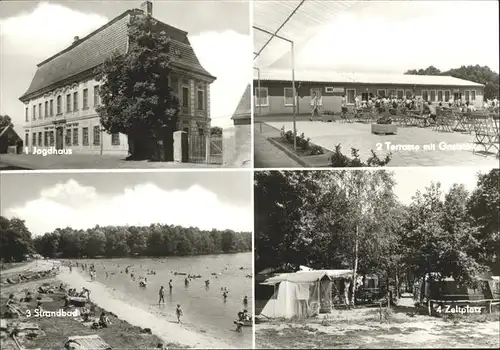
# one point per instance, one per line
(60, 103)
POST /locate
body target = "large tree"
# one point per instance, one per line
(15, 239)
(135, 93)
(5, 120)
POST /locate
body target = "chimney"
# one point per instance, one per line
(147, 8)
(76, 39)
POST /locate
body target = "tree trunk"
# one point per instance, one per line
(355, 269)
(397, 282)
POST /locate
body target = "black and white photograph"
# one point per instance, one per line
(137, 260)
(125, 84)
(378, 259)
(375, 83)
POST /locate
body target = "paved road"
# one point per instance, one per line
(266, 155)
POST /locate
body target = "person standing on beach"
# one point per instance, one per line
(245, 301)
(224, 295)
(162, 295)
(178, 312)
(170, 286)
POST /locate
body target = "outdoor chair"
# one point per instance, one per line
(486, 133)
(444, 121)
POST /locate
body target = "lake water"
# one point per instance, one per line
(204, 309)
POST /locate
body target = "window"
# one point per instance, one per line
(59, 107)
(457, 96)
(97, 136)
(261, 97)
(433, 96)
(51, 108)
(381, 92)
(40, 139)
(33, 139)
(34, 112)
(185, 97)
(201, 100)
(425, 95)
(85, 136)
(467, 95)
(26, 114)
(440, 96)
(68, 103)
(51, 137)
(46, 109)
(392, 93)
(364, 96)
(350, 96)
(68, 137)
(96, 95)
(26, 139)
(473, 95)
(447, 95)
(39, 111)
(85, 99)
(75, 137)
(75, 101)
(115, 139)
(329, 89)
(400, 94)
(288, 96)
(408, 93)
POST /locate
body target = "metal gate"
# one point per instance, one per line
(200, 145)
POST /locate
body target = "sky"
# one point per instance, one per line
(411, 180)
(32, 31)
(392, 37)
(204, 199)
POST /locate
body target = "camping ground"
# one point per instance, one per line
(363, 328)
(372, 259)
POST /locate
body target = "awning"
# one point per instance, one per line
(307, 276)
(295, 20)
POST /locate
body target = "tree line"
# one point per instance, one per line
(118, 241)
(353, 220)
(478, 74)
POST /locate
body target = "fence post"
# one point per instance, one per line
(207, 148)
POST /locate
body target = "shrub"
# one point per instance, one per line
(339, 160)
(385, 119)
(302, 142)
(316, 150)
(289, 136)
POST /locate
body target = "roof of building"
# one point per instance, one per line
(244, 108)
(327, 76)
(91, 51)
(6, 129)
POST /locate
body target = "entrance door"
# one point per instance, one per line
(457, 96)
(59, 138)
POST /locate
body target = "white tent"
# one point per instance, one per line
(302, 293)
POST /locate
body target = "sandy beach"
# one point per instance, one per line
(165, 328)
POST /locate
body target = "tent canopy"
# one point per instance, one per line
(295, 20)
(307, 276)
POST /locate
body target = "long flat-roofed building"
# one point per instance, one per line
(61, 99)
(276, 93)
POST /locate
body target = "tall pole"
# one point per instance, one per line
(258, 84)
(294, 99)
